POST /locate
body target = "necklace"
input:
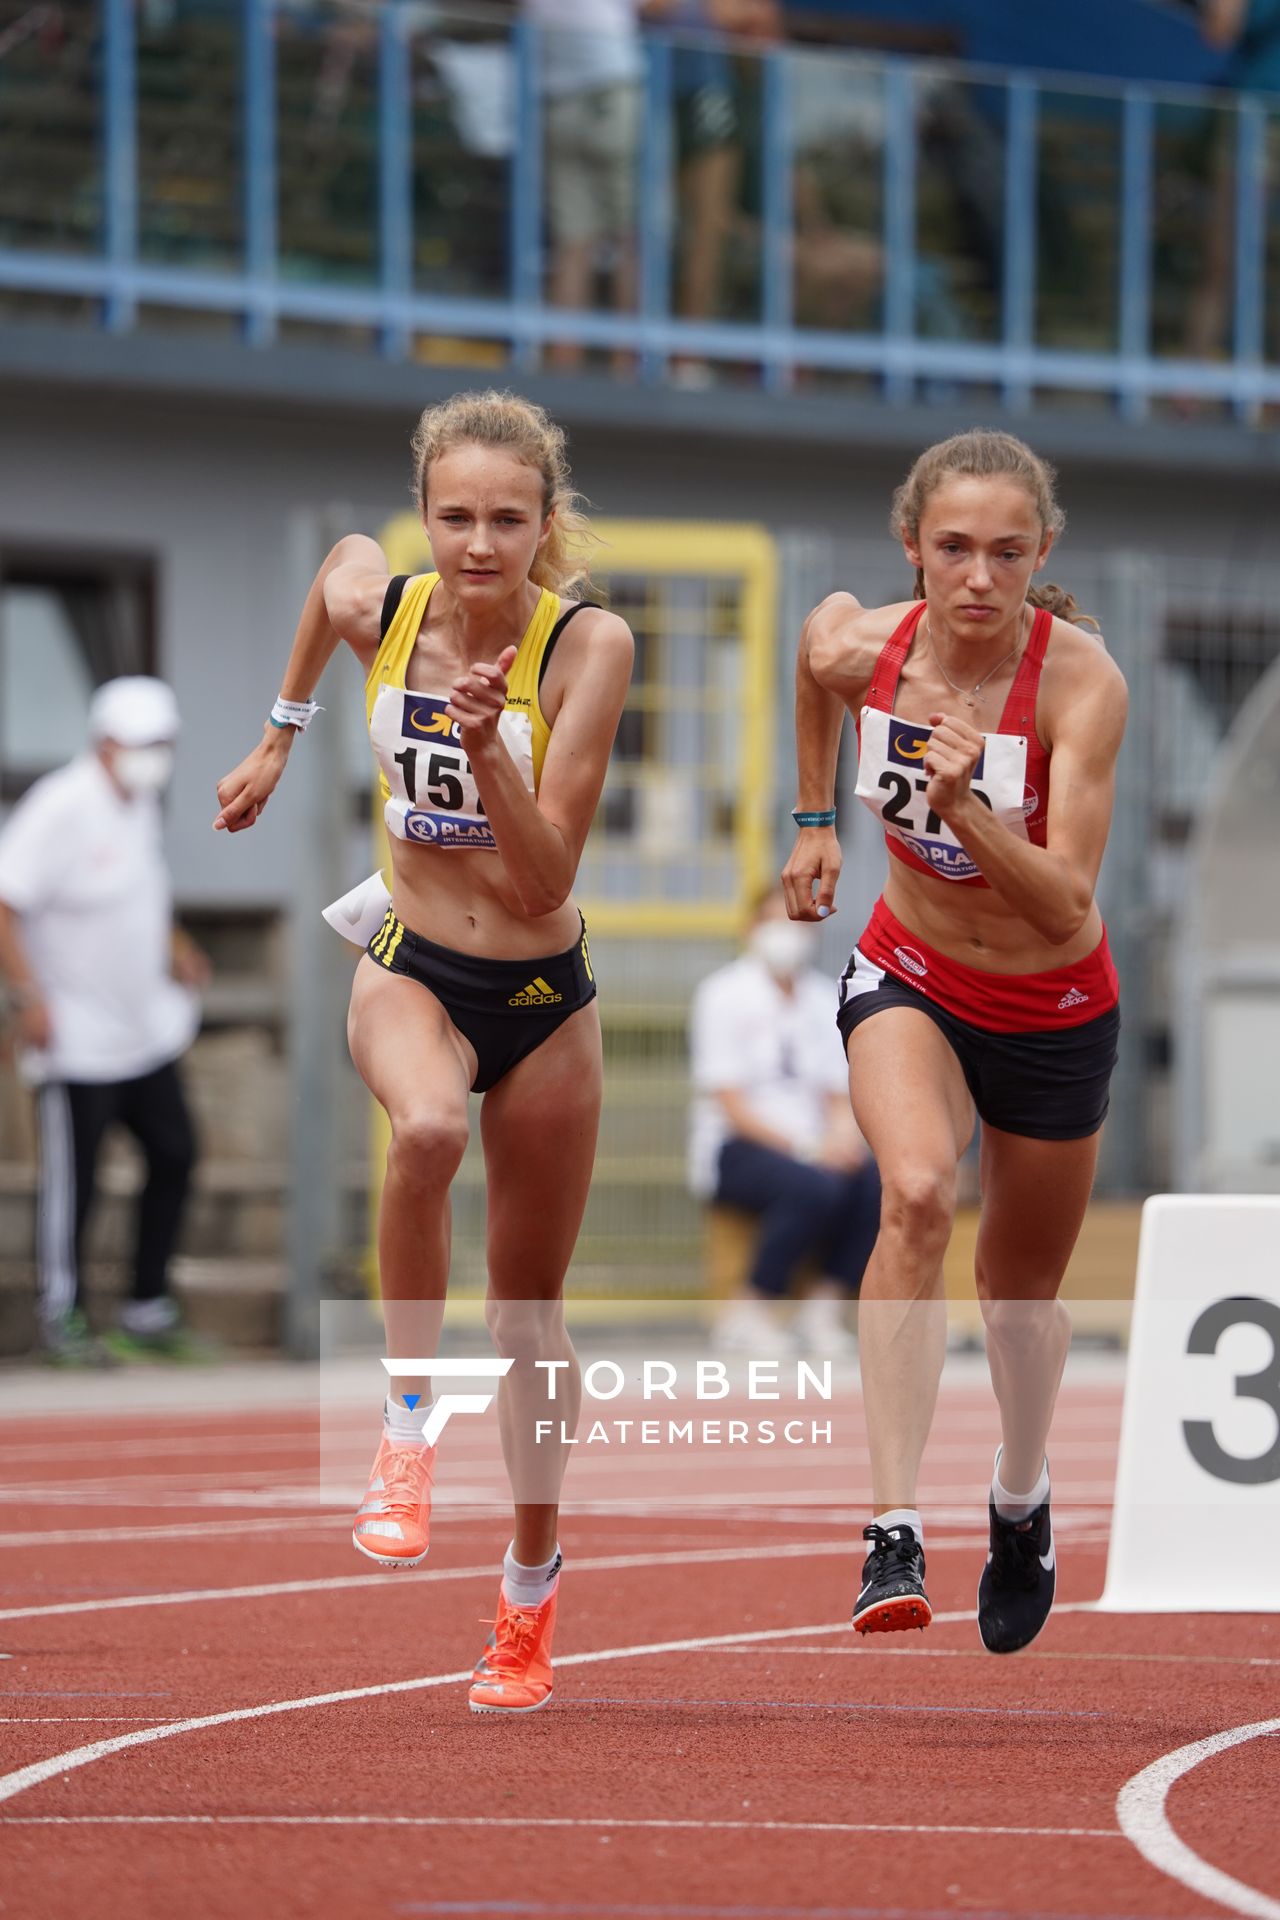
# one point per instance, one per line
(969, 694)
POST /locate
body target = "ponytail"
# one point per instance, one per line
(1061, 604)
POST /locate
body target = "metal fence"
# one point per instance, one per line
(379, 176)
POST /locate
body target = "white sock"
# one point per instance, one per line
(529, 1586)
(403, 1425)
(1018, 1506)
(902, 1517)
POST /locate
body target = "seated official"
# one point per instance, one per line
(772, 1134)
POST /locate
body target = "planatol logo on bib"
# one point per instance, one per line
(911, 960)
(1030, 801)
(953, 863)
(440, 830)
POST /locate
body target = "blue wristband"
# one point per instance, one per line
(827, 818)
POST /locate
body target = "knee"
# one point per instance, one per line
(427, 1146)
(526, 1330)
(1021, 1326)
(919, 1203)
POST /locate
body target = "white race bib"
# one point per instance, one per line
(434, 797)
(892, 782)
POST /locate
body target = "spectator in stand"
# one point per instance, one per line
(1248, 33)
(772, 1135)
(591, 68)
(104, 992)
(710, 149)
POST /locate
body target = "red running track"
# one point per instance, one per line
(719, 1745)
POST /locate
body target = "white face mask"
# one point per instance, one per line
(783, 946)
(143, 769)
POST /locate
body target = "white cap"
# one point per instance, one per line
(134, 710)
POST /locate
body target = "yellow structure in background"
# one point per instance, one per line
(681, 844)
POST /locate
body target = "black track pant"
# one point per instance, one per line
(72, 1118)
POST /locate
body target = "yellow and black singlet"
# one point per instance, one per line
(428, 788)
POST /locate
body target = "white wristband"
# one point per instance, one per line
(294, 713)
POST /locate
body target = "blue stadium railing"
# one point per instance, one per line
(1018, 350)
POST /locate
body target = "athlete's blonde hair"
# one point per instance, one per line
(519, 427)
(984, 455)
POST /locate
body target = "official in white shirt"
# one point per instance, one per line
(771, 1132)
(104, 993)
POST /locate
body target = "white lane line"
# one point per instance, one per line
(312, 1440)
(514, 1820)
(24, 1778)
(337, 1583)
(89, 1536)
(476, 1503)
(980, 1653)
(1144, 1821)
(390, 1583)
(246, 1441)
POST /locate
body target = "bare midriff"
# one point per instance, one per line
(979, 929)
(464, 900)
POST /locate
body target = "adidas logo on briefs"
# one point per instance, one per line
(1072, 998)
(536, 994)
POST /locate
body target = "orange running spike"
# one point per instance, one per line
(391, 1526)
(513, 1674)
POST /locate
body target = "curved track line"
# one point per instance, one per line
(39, 1771)
(1140, 1810)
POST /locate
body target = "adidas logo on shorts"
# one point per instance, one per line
(1072, 998)
(536, 994)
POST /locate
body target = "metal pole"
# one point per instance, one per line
(261, 235)
(525, 218)
(1135, 247)
(657, 213)
(1131, 615)
(778, 201)
(120, 161)
(1019, 292)
(395, 176)
(319, 982)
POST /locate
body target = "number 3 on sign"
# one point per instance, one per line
(1200, 1435)
(1251, 1470)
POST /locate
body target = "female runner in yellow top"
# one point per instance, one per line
(493, 695)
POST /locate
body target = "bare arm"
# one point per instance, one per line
(811, 874)
(747, 1124)
(344, 603)
(34, 1026)
(1051, 887)
(540, 841)
(1221, 22)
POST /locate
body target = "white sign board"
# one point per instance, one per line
(1196, 1526)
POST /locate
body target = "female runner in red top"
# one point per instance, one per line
(989, 725)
